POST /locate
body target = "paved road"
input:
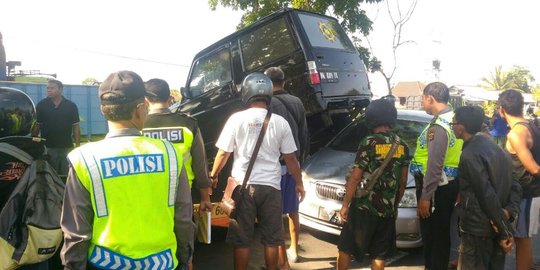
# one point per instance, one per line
(317, 251)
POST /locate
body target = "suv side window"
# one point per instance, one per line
(266, 44)
(211, 72)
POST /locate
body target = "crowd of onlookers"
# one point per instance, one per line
(127, 202)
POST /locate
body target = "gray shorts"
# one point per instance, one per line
(261, 203)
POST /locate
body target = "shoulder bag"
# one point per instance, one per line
(233, 191)
(369, 180)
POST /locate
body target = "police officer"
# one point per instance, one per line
(183, 131)
(127, 201)
(434, 166)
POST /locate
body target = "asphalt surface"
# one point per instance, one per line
(317, 251)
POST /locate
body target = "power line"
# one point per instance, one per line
(34, 41)
(131, 58)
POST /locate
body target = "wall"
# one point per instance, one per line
(84, 96)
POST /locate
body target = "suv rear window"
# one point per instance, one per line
(266, 44)
(324, 32)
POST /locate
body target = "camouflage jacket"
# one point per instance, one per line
(371, 153)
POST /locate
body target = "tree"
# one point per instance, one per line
(90, 81)
(517, 78)
(348, 12)
(399, 19)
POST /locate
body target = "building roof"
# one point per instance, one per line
(407, 89)
(476, 93)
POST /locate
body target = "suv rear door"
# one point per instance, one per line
(341, 69)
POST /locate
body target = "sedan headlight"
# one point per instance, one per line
(409, 198)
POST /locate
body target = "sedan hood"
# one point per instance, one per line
(332, 166)
(329, 165)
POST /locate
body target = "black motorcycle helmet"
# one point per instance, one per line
(17, 113)
(380, 112)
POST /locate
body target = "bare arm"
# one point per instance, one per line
(520, 139)
(77, 134)
(294, 169)
(219, 163)
(350, 190)
(403, 185)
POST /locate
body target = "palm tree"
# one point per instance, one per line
(499, 80)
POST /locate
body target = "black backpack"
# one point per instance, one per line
(30, 220)
(529, 183)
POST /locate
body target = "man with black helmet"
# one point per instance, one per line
(17, 115)
(370, 219)
(263, 196)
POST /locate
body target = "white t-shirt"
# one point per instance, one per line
(239, 135)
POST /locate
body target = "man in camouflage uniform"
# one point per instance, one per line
(370, 220)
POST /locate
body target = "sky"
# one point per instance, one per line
(82, 39)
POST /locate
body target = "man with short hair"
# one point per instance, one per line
(292, 109)
(371, 219)
(127, 200)
(183, 131)
(489, 196)
(262, 199)
(435, 167)
(58, 121)
(523, 150)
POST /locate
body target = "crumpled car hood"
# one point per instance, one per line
(332, 166)
(329, 165)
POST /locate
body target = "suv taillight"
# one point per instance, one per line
(314, 77)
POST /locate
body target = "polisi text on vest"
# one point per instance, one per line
(129, 165)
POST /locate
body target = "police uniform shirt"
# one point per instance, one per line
(437, 141)
(165, 118)
(77, 217)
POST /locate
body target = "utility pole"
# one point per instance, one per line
(3, 74)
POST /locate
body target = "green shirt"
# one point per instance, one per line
(370, 155)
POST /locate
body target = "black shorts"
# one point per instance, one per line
(365, 233)
(262, 203)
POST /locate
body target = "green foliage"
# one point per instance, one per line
(518, 78)
(90, 81)
(348, 12)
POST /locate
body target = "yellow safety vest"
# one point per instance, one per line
(132, 181)
(181, 138)
(453, 152)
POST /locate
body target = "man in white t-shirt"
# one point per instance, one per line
(263, 202)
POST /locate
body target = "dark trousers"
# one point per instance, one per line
(436, 228)
(480, 253)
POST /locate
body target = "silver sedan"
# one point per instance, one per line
(324, 179)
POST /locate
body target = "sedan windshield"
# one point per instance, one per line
(349, 138)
